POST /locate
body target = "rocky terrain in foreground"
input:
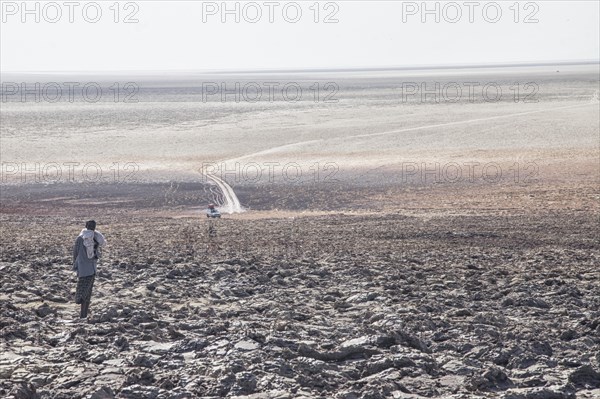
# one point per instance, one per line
(336, 306)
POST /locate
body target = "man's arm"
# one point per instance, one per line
(75, 253)
(99, 238)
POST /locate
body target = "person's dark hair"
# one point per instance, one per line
(90, 225)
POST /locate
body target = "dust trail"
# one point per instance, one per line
(231, 203)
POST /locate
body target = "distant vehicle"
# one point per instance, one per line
(212, 212)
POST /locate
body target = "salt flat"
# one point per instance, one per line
(542, 115)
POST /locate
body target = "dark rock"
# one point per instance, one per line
(568, 335)
(585, 377)
(121, 343)
(493, 378)
(337, 356)
(541, 348)
(245, 383)
(24, 391)
(139, 392)
(103, 393)
(144, 361)
(541, 394)
(44, 310)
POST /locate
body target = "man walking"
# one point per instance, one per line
(86, 253)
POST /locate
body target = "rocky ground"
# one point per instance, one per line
(487, 304)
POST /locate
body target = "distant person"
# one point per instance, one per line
(86, 253)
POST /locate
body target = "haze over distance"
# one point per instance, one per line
(216, 36)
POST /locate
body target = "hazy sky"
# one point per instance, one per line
(191, 35)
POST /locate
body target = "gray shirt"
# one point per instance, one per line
(81, 263)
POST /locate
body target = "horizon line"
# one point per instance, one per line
(318, 69)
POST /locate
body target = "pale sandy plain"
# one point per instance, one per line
(172, 131)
